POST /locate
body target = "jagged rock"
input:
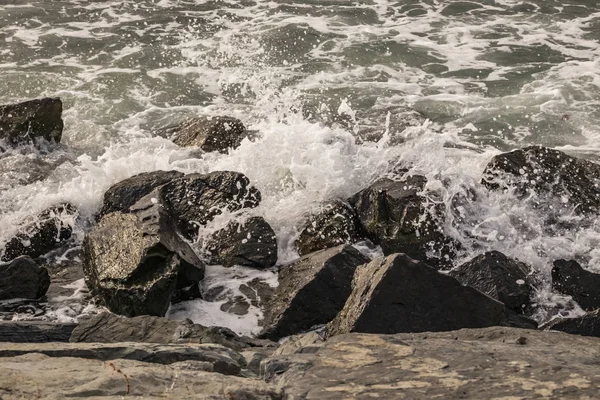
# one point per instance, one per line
(397, 216)
(28, 121)
(35, 331)
(23, 278)
(397, 294)
(132, 261)
(499, 277)
(568, 277)
(196, 199)
(211, 133)
(483, 364)
(311, 291)
(586, 325)
(122, 195)
(573, 183)
(336, 224)
(39, 234)
(111, 328)
(251, 243)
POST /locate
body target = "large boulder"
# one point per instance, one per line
(499, 277)
(568, 182)
(568, 277)
(39, 234)
(586, 325)
(211, 133)
(196, 199)
(124, 194)
(334, 225)
(311, 291)
(22, 278)
(398, 216)
(28, 121)
(397, 294)
(132, 261)
(251, 243)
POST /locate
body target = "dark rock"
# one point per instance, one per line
(251, 243)
(111, 328)
(396, 294)
(187, 286)
(499, 277)
(336, 224)
(254, 293)
(586, 325)
(568, 277)
(211, 133)
(573, 183)
(197, 199)
(311, 291)
(35, 331)
(395, 215)
(28, 121)
(132, 261)
(38, 235)
(24, 279)
(122, 195)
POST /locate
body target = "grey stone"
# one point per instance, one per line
(251, 243)
(568, 277)
(28, 121)
(334, 225)
(35, 331)
(397, 294)
(586, 325)
(311, 291)
(499, 277)
(211, 133)
(37, 235)
(23, 278)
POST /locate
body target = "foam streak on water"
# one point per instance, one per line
(314, 79)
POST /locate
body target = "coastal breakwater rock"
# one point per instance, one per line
(31, 120)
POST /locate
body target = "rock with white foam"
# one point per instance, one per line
(211, 133)
(570, 278)
(30, 121)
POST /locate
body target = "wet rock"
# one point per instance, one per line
(132, 261)
(568, 277)
(251, 243)
(39, 234)
(499, 277)
(211, 133)
(569, 182)
(35, 331)
(311, 291)
(396, 294)
(336, 224)
(23, 278)
(122, 195)
(111, 328)
(31, 120)
(400, 218)
(197, 199)
(481, 364)
(254, 293)
(586, 325)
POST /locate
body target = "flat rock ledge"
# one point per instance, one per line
(488, 363)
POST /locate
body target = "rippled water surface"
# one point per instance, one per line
(331, 86)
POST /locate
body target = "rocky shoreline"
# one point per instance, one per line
(410, 322)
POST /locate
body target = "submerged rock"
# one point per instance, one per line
(397, 216)
(573, 183)
(251, 243)
(336, 224)
(196, 199)
(586, 325)
(211, 133)
(397, 294)
(39, 234)
(31, 120)
(568, 277)
(311, 291)
(122, 195)
(499, 277)
(132, 261)
(22, 278)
